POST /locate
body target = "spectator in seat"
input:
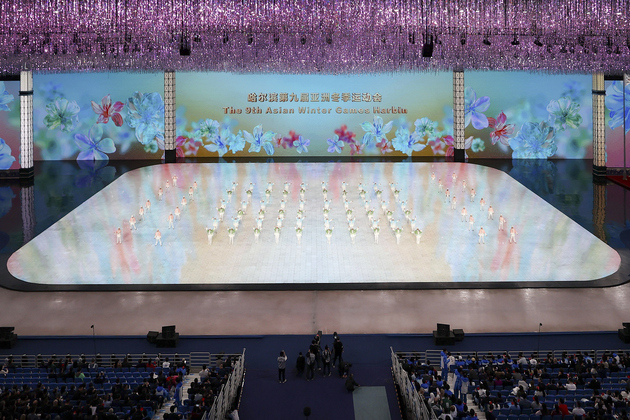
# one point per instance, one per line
(578, 411)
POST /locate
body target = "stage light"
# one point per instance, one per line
(538, 43)
(486, 41)
(197, 38)
(462, 40)
(303, 40)
(226, 38)
(184, 46)
(515, 41)
(563, 50)
(329, 40)
(276, 39)
(427, 47)
(412, 38)
(250, 39)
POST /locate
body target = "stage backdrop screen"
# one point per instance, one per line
(225, 115)
(528, 115)
(98, 116)
(9, 124)
(614, 124)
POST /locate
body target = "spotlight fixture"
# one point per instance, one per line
(276, 39)
(329, 39)
(250, 38)
(427, 47)
(197, 38)
(303, 40)
(538, 43)
(412, 38)
(486, 41)
(462, 39)
(515, 41)
(563, 49)
(184, 46)
(226, 38)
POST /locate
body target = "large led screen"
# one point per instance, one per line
(614, 124)
(9, 124)
(528, 115)
(224, 114)
(98, 116)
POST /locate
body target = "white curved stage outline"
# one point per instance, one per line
(81, 248)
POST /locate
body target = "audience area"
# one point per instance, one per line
(109, 388)
(515, 386)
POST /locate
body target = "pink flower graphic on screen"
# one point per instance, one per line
(385, 146)
(356, 149)
(501, 131)
(438, 144)
(285, 142)
(450, 143)
(107, 110)
(345, 135)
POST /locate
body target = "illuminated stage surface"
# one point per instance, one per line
(81, 249)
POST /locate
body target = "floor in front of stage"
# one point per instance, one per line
(61, 189)
(456, 237)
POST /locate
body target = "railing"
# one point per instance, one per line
(228, 393)
(194, 359)
(413, 402)
(434, 355)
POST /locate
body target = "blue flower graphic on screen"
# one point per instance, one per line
(563, 113)
(6, 160)
(407, 142)
(5, 98)
(219, 143)
(258, 140)
(6, 200)
(447, 121)
(477, 145)
(574, 90)
(301, 144)
(534, 141)
(146, 115)
(237, 142)
(426, 128)
(375, 131)
(228, 124)
(207, 128)
(474, 108)
(334, 144)
(614, 103)
(94, 146)
(401, 122)
(52, 90)
(63, 114)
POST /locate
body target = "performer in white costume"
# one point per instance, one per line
(132, 223)
(158, 237)
(512, 235)
(118, 236)
(482, 236)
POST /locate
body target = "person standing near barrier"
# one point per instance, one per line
(310, 365)
(282, 367)
(337, 350)
(326, 356)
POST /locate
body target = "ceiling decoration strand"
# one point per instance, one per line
(315, 36)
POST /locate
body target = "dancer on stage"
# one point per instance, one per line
(501, 222)
(243, 206)
(353, 233)
(298, 221)
(490, 213)
(512, 235)
(210, 233)
(160, 194)
(327, 223)
(472, 195)
(329, 234)
(276, 233)
(259, 223)
(454, 203)
(178, 213)
(398, 233)
(184, 202)
(471, 222)
(148, 206)
(302, 204)
(464, 213)
(482, 236)
(270, 186)
(432, 176)
(168, 185)
(235, 222)
(256, 233)
(418, 234)
(298, 233)
(463, 185)
(191, 194)
(221, 211)
(132, 223)
(231, 234)
(376, 231)
(482, 204)
(174, 181)
(215, 223)
(118, 236)
(141, 213)
(170, 221)
(229, 194)
(283, 204)
(195, 185)
(454, 178)
(158, 237)
(440, 185)
(447, 196)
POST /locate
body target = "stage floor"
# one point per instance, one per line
(81, 249)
